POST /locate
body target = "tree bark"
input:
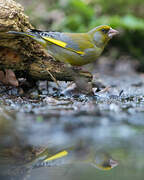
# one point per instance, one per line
(23, 55)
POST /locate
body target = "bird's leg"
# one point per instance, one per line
(81, 79)
(82, 71)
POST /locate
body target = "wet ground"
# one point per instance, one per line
(108, 124)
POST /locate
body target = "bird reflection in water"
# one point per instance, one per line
(98, 159)
(18, 157)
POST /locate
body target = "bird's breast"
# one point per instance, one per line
(71, 57)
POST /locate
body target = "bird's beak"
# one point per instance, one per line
(113, 163)
(112, 32)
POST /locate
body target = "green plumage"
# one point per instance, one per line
(74, 48)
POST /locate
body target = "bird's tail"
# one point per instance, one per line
(46, 159)
(34, 36)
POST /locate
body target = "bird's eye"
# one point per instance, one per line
(104, 30)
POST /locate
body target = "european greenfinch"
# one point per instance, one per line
(70, 156)
(76, 49)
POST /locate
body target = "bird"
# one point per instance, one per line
(70, 156)
(76, 49)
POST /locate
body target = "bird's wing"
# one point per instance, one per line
(51, 160)
(71, 41)
(57, 156)
(82, 40)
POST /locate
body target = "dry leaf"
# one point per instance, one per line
(8, 78)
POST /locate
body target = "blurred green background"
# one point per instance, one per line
(82, 15)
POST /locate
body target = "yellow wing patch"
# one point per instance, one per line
(57, 156)
(79, 52)
(62, 44)
(104, 168)
(55, 41)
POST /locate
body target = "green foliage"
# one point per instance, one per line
(78, 15)
(121, 7)
(127, 22)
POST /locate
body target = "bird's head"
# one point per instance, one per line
(104, 161)
(102, 34)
